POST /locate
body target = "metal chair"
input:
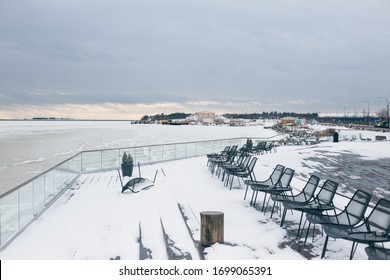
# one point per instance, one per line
(366, 232)
(282, 186)
(323, 201)
(352, 214)
(248, 172)
(271, 181)
(304, 197)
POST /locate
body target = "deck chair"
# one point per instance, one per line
(352, 214)
(272, 180)
(259, 148)
(228, 157)
(137, 181)
(240, 165)
(321, 202)
(247, 173)
(270, 146)
(378, 220)
(217, 155)
(304, 197)
(377, 253)
(281, 186)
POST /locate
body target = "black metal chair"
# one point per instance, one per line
(248, 172)
(259, 148)
(228, 157)
(217, 155)
(350, 216)
(280, 188)
(323, 201)
(303, 197)
(377, 253)
(239, 165)
(373, 229)
(271, 181)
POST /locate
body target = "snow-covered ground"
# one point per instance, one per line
(94, 220)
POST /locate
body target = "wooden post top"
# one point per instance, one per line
(211, 213)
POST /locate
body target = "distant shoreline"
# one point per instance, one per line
(59, 119)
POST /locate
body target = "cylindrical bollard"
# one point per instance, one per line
(211, 227)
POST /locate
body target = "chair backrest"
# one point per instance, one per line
(327, 192)
(245, 161)
(357, 206)
(225, 150)
(311, 186)
(286, 178)
(269, 146)
(379, 218)
(276, 174)
(252, 164)
(232, 153)
(233, 149)
(261, 145)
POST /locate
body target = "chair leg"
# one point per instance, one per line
(253, 197)
(263, 208)
(307, 233)
(247, 186)
(353, 249)
(273, 209)
(283, 217)
(300, 222)
(325, 245)
(231, 182)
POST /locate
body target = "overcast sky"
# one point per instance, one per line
(123, 59)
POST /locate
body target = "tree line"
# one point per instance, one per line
(264, 115)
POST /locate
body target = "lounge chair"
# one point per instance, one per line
(373, 229)
(217, 155)
(377, 253)
(350, 216)
(228, 157)
(323, 201)
(303, 197)
(272, 180)
(279, 188)
(247, 173)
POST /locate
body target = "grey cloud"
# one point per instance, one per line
(273, 52)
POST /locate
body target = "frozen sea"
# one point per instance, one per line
(28, 148)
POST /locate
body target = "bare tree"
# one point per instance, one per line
(382, 114)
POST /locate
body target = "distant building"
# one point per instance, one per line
(205, 117)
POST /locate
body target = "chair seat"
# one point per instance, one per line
(376, 253)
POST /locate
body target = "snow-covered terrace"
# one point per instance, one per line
(92, 219)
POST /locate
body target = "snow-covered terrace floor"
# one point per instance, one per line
(94, 220)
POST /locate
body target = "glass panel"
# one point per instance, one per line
(26, 204)
(49, 186)
(75, 164)
(168, 152)
(156, 153)
(204, 148)
(190, 150)
(9, 222)
(91, 161)
(141, 155)
(110, 159)
(180, 151)
(39, 194)
(58, 180)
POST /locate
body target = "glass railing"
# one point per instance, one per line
(20, 206)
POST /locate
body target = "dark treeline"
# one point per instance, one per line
(271, 115)
(264, 115)
(162, 116)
